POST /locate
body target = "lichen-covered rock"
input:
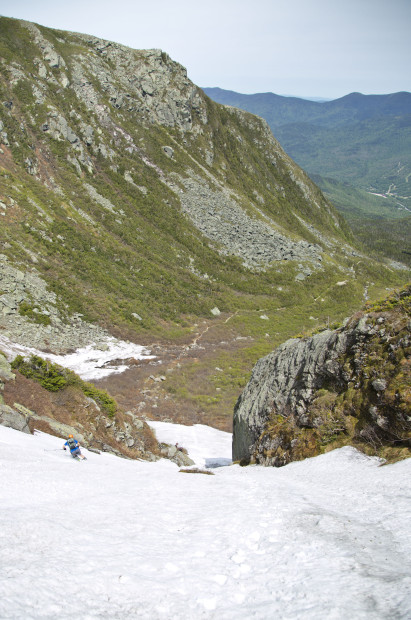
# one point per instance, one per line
(6, 373)
(13, 418)
(284, 382)
(176, 455)
(346, 385)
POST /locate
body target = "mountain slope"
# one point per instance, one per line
(362, 140)
(130, 200)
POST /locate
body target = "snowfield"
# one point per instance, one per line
(91, 362)
(326, 538)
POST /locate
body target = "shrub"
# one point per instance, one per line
(25, 309)
(107, 403)
(54, 378)
(50, 376)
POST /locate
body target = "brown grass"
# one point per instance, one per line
(196, 470)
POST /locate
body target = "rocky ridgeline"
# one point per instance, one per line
(24, 292)
(134, 81)
(147, 82)
(343, 386)
(104, 74)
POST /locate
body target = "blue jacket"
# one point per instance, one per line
(74, 445)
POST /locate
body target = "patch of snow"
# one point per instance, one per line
(376, 194)
(112, 538)
(95, 361)
(206, 446)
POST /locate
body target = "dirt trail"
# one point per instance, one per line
(143, 388)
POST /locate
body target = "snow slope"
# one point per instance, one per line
(109, 538)
(208, 446)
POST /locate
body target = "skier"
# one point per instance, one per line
(73, 446)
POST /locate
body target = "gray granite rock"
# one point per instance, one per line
(14, 419)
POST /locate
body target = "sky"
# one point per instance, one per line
(303, 48)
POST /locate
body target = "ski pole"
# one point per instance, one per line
(53, 449)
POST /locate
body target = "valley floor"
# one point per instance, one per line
(111, 538)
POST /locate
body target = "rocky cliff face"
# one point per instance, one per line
(337, 387)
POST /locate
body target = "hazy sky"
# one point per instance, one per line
(323, 48)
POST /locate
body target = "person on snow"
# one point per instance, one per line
(73, 446)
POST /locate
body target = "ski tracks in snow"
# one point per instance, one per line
(117, 539)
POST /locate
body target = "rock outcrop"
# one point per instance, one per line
(14, 419)
(337, 387)
(177, 455)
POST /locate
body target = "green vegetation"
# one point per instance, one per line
(357, 204)
(371, 154)
(386, 238)
(54, 378)
(50, 376)
(398, 300)
(34, 313)
(381, 224)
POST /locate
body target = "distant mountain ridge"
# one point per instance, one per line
(364, 140)
(279, 110)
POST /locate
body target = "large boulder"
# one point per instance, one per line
(283, 383)
(350, 385)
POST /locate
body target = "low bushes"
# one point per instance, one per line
(53, 378)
